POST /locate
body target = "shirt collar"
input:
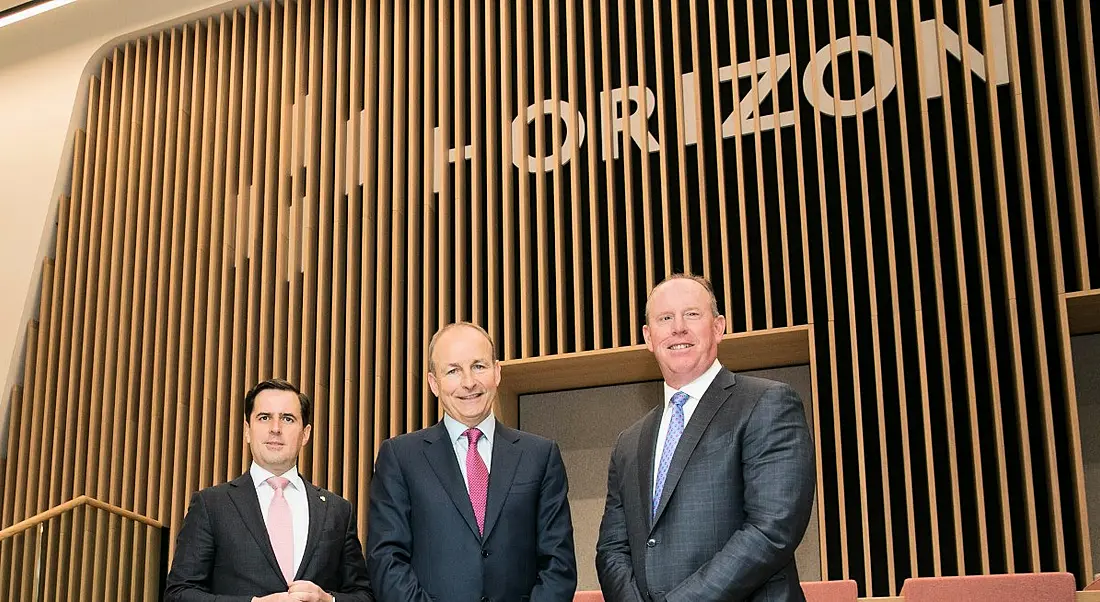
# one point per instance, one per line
(696, 388)
(260, 475)
(456, 428)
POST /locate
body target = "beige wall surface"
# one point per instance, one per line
(42, 85)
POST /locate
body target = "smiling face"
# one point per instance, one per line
(464, 375)
(275, 432)
(682, 330)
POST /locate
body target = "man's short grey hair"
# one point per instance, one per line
(685, 276)
(435, 337)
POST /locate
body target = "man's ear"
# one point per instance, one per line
(645, 335)
(434, 384)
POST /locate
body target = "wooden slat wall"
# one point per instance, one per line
(310, 188)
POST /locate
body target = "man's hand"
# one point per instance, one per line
(307, 591)
(280, 597)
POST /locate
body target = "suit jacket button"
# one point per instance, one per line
(651, 543)
(485, 553)
(485, 599)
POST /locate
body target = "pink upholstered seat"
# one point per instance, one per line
(830, 591)
(1033, 587)
(588, 597)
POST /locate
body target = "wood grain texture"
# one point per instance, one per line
(900, 194)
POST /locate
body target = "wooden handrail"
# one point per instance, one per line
(73, 504)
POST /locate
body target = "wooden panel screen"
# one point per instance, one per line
(309, 189)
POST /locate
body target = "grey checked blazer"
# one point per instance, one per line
(735, 504)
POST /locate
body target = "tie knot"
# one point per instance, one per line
(278, 483)
(679, 399)
(472, 435)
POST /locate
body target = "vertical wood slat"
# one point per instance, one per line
(628, 193)
(429, 293)
(922, 363)
(1060, 326)
(739, 169)
(337, 474)
(594, 232)
(1008, 274)
(993, 374)
(781, 187)
(352, 484)
(613, 280)
(830, 324)
(758, 163)
(1033, 279)
(648, 143)
(396, 217)
(681, 136)
(558, 190)
(1070, 157)
(189, 92)
(1091, 91)
(877, 348)
(384, 420)
(895, 309)
(541, 197)
(964, 305)
(138, 443)
(849, 279)
(697, 99)
(474, 38)
(940, 318)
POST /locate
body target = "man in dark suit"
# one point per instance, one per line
(710, 493)
(270, 535)
(469, 510)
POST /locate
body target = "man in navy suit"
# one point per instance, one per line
(710, 493)
(469, 510)
(270, 535)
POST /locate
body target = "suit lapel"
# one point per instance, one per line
(440, 453)
(647, 444)
(502, 473)
(717, 393)
(242, 492)
(318, 511)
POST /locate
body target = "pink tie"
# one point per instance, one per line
(477, 476)
(280, 527)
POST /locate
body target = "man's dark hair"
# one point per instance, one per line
(278, 384)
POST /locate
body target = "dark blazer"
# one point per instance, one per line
(223, 552)
(423, 542)
(735, 504)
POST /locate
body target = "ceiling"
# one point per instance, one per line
(6, 4)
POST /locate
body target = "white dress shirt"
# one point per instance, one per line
(295, 494)
(695, 390)
(461, 444)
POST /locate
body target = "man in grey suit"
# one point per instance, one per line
(270, 535)
(710, 493)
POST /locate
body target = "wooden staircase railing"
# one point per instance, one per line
(83, 549)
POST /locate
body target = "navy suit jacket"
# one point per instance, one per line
(224, 554)
(736, 501)
(423, 542)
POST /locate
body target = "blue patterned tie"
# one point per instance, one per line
(675, 429)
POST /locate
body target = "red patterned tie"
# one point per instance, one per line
(477, 476)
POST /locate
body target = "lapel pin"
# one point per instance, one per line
(322, 498)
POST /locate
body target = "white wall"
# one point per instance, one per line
(43, 96)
